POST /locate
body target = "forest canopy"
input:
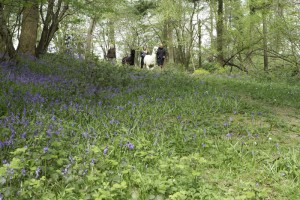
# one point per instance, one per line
(247, 35)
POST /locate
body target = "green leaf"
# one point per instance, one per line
(16, 163)
(19, 151)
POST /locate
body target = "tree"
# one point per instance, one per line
(89, 42)
(55, 13)
(220, 27)
(30, 19)
(6, 35)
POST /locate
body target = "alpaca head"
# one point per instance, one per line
(154, 50)
(132, 53)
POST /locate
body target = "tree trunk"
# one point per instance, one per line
(2, 46)
(265, 42)
(220, 27)
(278, 16)
(5, 35)
(190, 38)
(111, 33)
(168, 40)
(89, 42)
(50, 24)
(28, 36)
(199, 43)
(211, 29)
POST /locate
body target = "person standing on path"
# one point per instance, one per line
(161, 55)
(111, 54)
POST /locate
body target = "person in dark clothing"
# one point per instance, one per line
(129, 60)
(160, 55)
(143, 54)
(111, 54)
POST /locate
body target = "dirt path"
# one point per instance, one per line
(288, 116)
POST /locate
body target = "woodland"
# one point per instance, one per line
(219, 121)
(248, 35)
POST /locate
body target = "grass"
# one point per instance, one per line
(77, 130)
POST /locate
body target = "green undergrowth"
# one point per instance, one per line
(77, 130)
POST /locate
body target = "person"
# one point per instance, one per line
(111, 54)
(161, 55)
(143, 54)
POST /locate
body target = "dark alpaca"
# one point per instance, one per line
(129, 60)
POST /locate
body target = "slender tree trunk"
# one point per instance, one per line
(211, 29)
(278, 16)
(167, 38)
(265, 42)
(89, 43)
(250, 42)
(220, 27)
(111, 33)
(50, 23)
(5, 35)
(190, 37)
(199, 43)
(28, 37)
(2, 46)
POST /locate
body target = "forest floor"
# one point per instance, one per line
(70, 130)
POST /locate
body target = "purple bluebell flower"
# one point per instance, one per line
(130, 146)
(37, 172)
(23, 171)
(105, 150)
(203, 145)
(85, 171)
(48, 132)
(71, 159)
(10, 171)
(8, 142)
(65, 170)
(46, 149)
(85, 134)
(113, 121)
(23, 135)
(228, 135)
(259, 113)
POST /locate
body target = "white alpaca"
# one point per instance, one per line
(150, 60)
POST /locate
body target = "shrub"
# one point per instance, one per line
(201, 72)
